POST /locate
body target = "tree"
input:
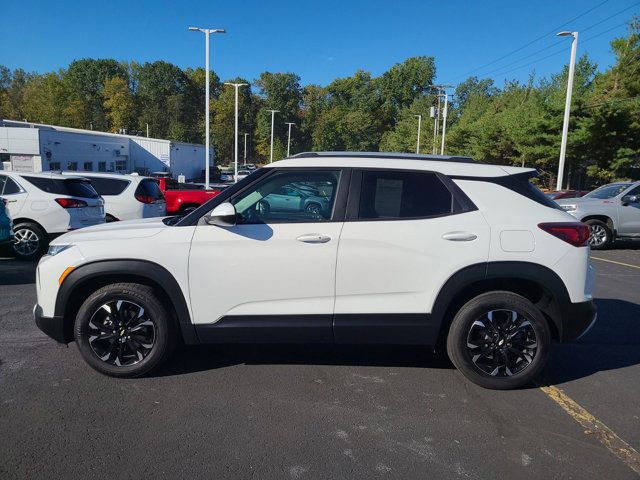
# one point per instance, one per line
(404, 82)
(119, 104)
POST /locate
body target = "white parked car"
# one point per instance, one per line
(410, 249)
(127, 197)
(45, 205)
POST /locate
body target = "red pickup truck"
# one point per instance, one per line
(183, 198)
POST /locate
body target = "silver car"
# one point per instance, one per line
(611, 211)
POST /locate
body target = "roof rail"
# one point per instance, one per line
(397, 155)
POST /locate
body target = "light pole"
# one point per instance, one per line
(235, 150)
(444, 121)
(419, 117)
(245, 148)
(289, 137)
(207, 33)
(273, 114)
(567, 105)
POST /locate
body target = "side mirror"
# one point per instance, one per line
(627, 199)
(224, 215)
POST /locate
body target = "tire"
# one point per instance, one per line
(30, 241)
(126, 352)
(489, 367)
(600, 235)
(110, 218)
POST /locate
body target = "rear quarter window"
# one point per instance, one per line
(109, 186)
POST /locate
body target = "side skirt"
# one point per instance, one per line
(392, 329)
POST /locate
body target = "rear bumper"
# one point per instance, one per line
(52, 326)
(577, 319)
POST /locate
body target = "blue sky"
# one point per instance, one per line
(318, 40)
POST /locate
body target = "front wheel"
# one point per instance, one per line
(600, 235)
(123, 330)
(499, 340)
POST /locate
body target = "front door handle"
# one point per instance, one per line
(460, 236)
(9, 201)
(314, 238)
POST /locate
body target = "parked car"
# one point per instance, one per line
(184, 198)
(226, 176)
(295, 198)
(410, 249)
(127, 197)
(243, 173)
(559, 194)
(45, 205)
(611, 211)
(6, 225)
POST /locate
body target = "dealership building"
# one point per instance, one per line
(37, 147)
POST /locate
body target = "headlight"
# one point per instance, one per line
(56, 249)
(568, 208)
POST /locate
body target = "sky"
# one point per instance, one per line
(318, 40)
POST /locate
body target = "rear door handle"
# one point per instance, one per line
(10, 201)
(460, 236)
(314, 238)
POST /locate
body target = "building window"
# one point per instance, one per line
(102, 166)
(72, 166)
(88, 166)
(55, 166)
(121, 165)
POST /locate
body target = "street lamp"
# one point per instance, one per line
(207, 32)
(419, 117)
(444, 121)
(567, 105)
(273, 113)
(236, 86)
(245, 148)
(289, 137)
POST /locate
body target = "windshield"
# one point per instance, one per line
(608, 191)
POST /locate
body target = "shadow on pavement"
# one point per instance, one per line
(613, 343)
(207, 357)
(16, 272)
(624, 245)
(618, 326)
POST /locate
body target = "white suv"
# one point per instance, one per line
(45, 205)
(426, 250)
(127, 197)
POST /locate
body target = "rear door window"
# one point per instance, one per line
(108, 186)
(390, 195)
(72, 187)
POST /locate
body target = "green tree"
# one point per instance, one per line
(119, 104)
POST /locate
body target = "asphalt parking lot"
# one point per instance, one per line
(311, 412)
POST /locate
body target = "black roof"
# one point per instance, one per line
(397, 155)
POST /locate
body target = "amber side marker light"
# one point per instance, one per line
(65, 274)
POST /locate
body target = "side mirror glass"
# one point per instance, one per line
(627, 199)
(224, 215)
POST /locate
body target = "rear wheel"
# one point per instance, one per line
(123, 330)
(499, 340)
(29, 241)
(600, 235)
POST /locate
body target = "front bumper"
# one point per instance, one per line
(577, 319)
(52, 326)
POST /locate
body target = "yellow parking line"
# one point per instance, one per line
(617, 263)
(595, 427)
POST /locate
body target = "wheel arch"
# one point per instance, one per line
(603, 218)
(18, 220)
(537, 283)
(88, 278)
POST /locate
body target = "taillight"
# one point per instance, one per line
(575, 233)
(145, 198)
(71, 203)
